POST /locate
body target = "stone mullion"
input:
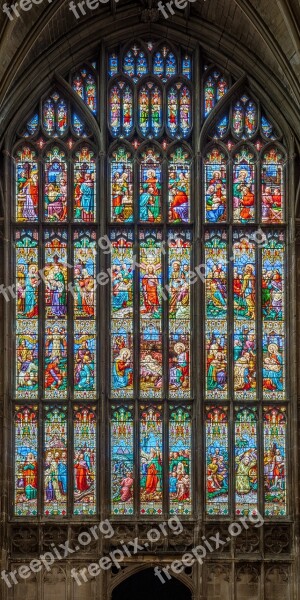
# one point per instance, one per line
(197, 306)
(102, 305)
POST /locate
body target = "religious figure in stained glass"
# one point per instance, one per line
(121, 182)
(272, 187)
(85, 460)
(215, 186)
(26, 466)
(122, 482)
(180, 484)
(151, 456)
(217, 467)
(275, 461)
(243, 187)
(150, 187)
(55, 466)
(179, 187)
(122, 314)
(246, 468)
(55, 189)
(27, 185)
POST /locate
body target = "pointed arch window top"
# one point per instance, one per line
(55, 118)
(244, 120)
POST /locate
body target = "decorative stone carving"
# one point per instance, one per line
(277, 539)
(24, 540)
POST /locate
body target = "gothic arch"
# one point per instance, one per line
(208, 38)
(129, 572)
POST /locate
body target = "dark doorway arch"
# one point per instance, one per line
(145, 584)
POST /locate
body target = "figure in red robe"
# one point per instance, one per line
(81, 473)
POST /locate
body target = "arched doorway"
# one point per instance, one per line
(147, 585)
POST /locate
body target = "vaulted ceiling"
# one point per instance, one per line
(257, 37)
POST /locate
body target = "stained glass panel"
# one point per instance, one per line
(84, 84)
(84, 185)
(246, 463)
(27, 284)
(150, 109)
(216, 299)
(122, 314)
(150, 314)
(135, 63)
(85, 249)
(243, 186)
(127, 110)
(244, 297)
(122, 482)
(55, 187)
(55, 466)
(186, 65)
(115, 110)
(27, 185)
(55, 274)
(185, 111)
(217, 461)
(179, 314)
(275, 461)
(164, 64)
(173, 116)
(150, 187)
(215, 186)
(113, 64)
(32, 126)
(244, 118)
(272, 181)
(55, 115)
(85, 460)
(151, 460)
(121, 181)
(179, 187)
(273, 337)
(26, 469)
(215, 87)
(49, 116)
(180, 484)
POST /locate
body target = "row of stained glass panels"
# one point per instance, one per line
(243, 187)
(151, 461)
(154, 293)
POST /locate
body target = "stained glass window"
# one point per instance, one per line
(151, 297)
